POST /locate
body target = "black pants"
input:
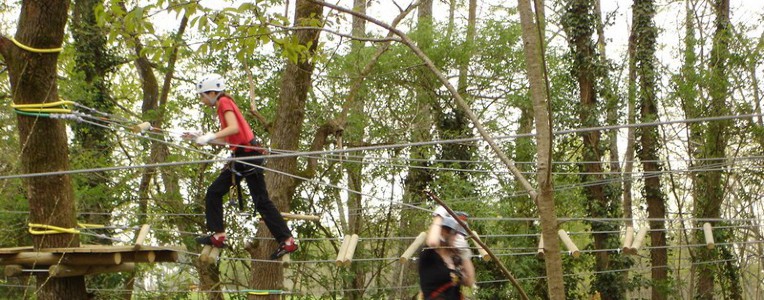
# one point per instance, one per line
(256, 183)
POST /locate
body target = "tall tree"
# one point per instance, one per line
(355, 135)
(452, 120)
(419, 176)
(709, 186)
(578, 22)
(644, 34)
(94, 144)
(44, 145)
(534, 61)
(290, 113)
(153, 104)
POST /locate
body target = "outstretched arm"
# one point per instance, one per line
(433, 235)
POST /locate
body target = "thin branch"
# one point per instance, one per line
(252, 107)
(358, 38)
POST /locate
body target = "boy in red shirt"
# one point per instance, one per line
(235, 132)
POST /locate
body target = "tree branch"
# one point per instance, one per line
(252, 107)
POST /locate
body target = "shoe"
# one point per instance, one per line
(285, 247)
(217, 242)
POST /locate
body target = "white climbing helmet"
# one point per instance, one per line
(210, 82)
(450, 222)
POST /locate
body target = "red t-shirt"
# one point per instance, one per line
(245, 134)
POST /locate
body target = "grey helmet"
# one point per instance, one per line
(450, 222)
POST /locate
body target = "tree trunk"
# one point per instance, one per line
(539, 95)
(290, 114)
(609, 93)
(154, 99)
(44, 142)
(645, 35)
(355, 135)
(455, 124)
(579, 25)
(419, 177)
(689, 97)
(93, 144)
(710, 185)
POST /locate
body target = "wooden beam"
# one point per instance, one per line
(342, 251)
(628, 239)
(47, 259)
(540, 250)
(166, 256)
(483, 254)
(69, 271)
(13, 270)
(418, 241)
(572, 248)
(140, 256)
(203, 257)
(350, 251)
(141, 237)
(638, 240)
(708, 233)
(214, 254)
(19, 270)
(301, 217)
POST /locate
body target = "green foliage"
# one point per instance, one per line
(229, 38)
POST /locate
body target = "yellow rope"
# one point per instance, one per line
(35, 50)
(41, 105)
(86, 225)
(46, 110)
(50, 229)
(264, 292)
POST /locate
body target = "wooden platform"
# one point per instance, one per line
(84, 260)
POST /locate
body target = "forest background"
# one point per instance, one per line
(623, 114)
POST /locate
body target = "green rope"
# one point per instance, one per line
(31, 114)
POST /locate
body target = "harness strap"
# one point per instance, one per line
(442, 289)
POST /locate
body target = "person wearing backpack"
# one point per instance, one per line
(236, 133)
